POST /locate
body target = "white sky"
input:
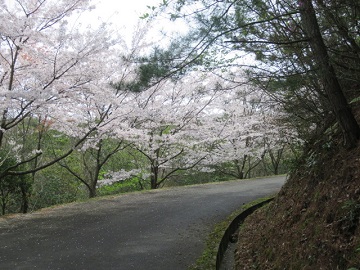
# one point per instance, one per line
(124, 16)
(122, 12)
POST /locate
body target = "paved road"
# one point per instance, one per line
(155, 230)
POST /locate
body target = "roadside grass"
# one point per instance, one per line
(208, 258)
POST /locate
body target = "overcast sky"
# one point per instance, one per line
(124, 16)
(122, 12)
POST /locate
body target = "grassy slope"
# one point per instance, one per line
(314, 221)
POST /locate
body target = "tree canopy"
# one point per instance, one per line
(303, 53)
(76, 100)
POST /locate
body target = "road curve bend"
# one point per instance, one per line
(153, 230)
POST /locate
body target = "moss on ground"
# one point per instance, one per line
(208, 258)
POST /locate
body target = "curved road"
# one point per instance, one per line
(155, 230)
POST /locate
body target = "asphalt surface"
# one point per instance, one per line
(155, 230)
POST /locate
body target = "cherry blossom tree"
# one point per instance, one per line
(201, 121)
(49, 71)
(108, 107)
(87, 163)
(247, 124)
(166, 124)
(57, 81)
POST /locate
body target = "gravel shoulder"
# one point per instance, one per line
(160, 229)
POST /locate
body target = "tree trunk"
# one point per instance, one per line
(3, 205)
(92, 191)
(239, 169)
(24, 197)
(154, 177)
(24, 204)
(91, 187)
(276, 159)
(338, 102)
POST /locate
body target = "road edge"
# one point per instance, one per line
(230, 234)
(208, 259)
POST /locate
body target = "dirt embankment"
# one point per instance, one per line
(314, 221)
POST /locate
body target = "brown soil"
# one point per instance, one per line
(314, 221)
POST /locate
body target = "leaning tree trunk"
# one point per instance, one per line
(338, 102)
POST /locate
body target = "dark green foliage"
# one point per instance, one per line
(194, 177)
(55, 186)
(160, 64)
(14, 190)
(151, 69)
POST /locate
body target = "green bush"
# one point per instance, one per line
(54, 186)
(129, 185)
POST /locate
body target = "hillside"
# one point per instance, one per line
(314, 221)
